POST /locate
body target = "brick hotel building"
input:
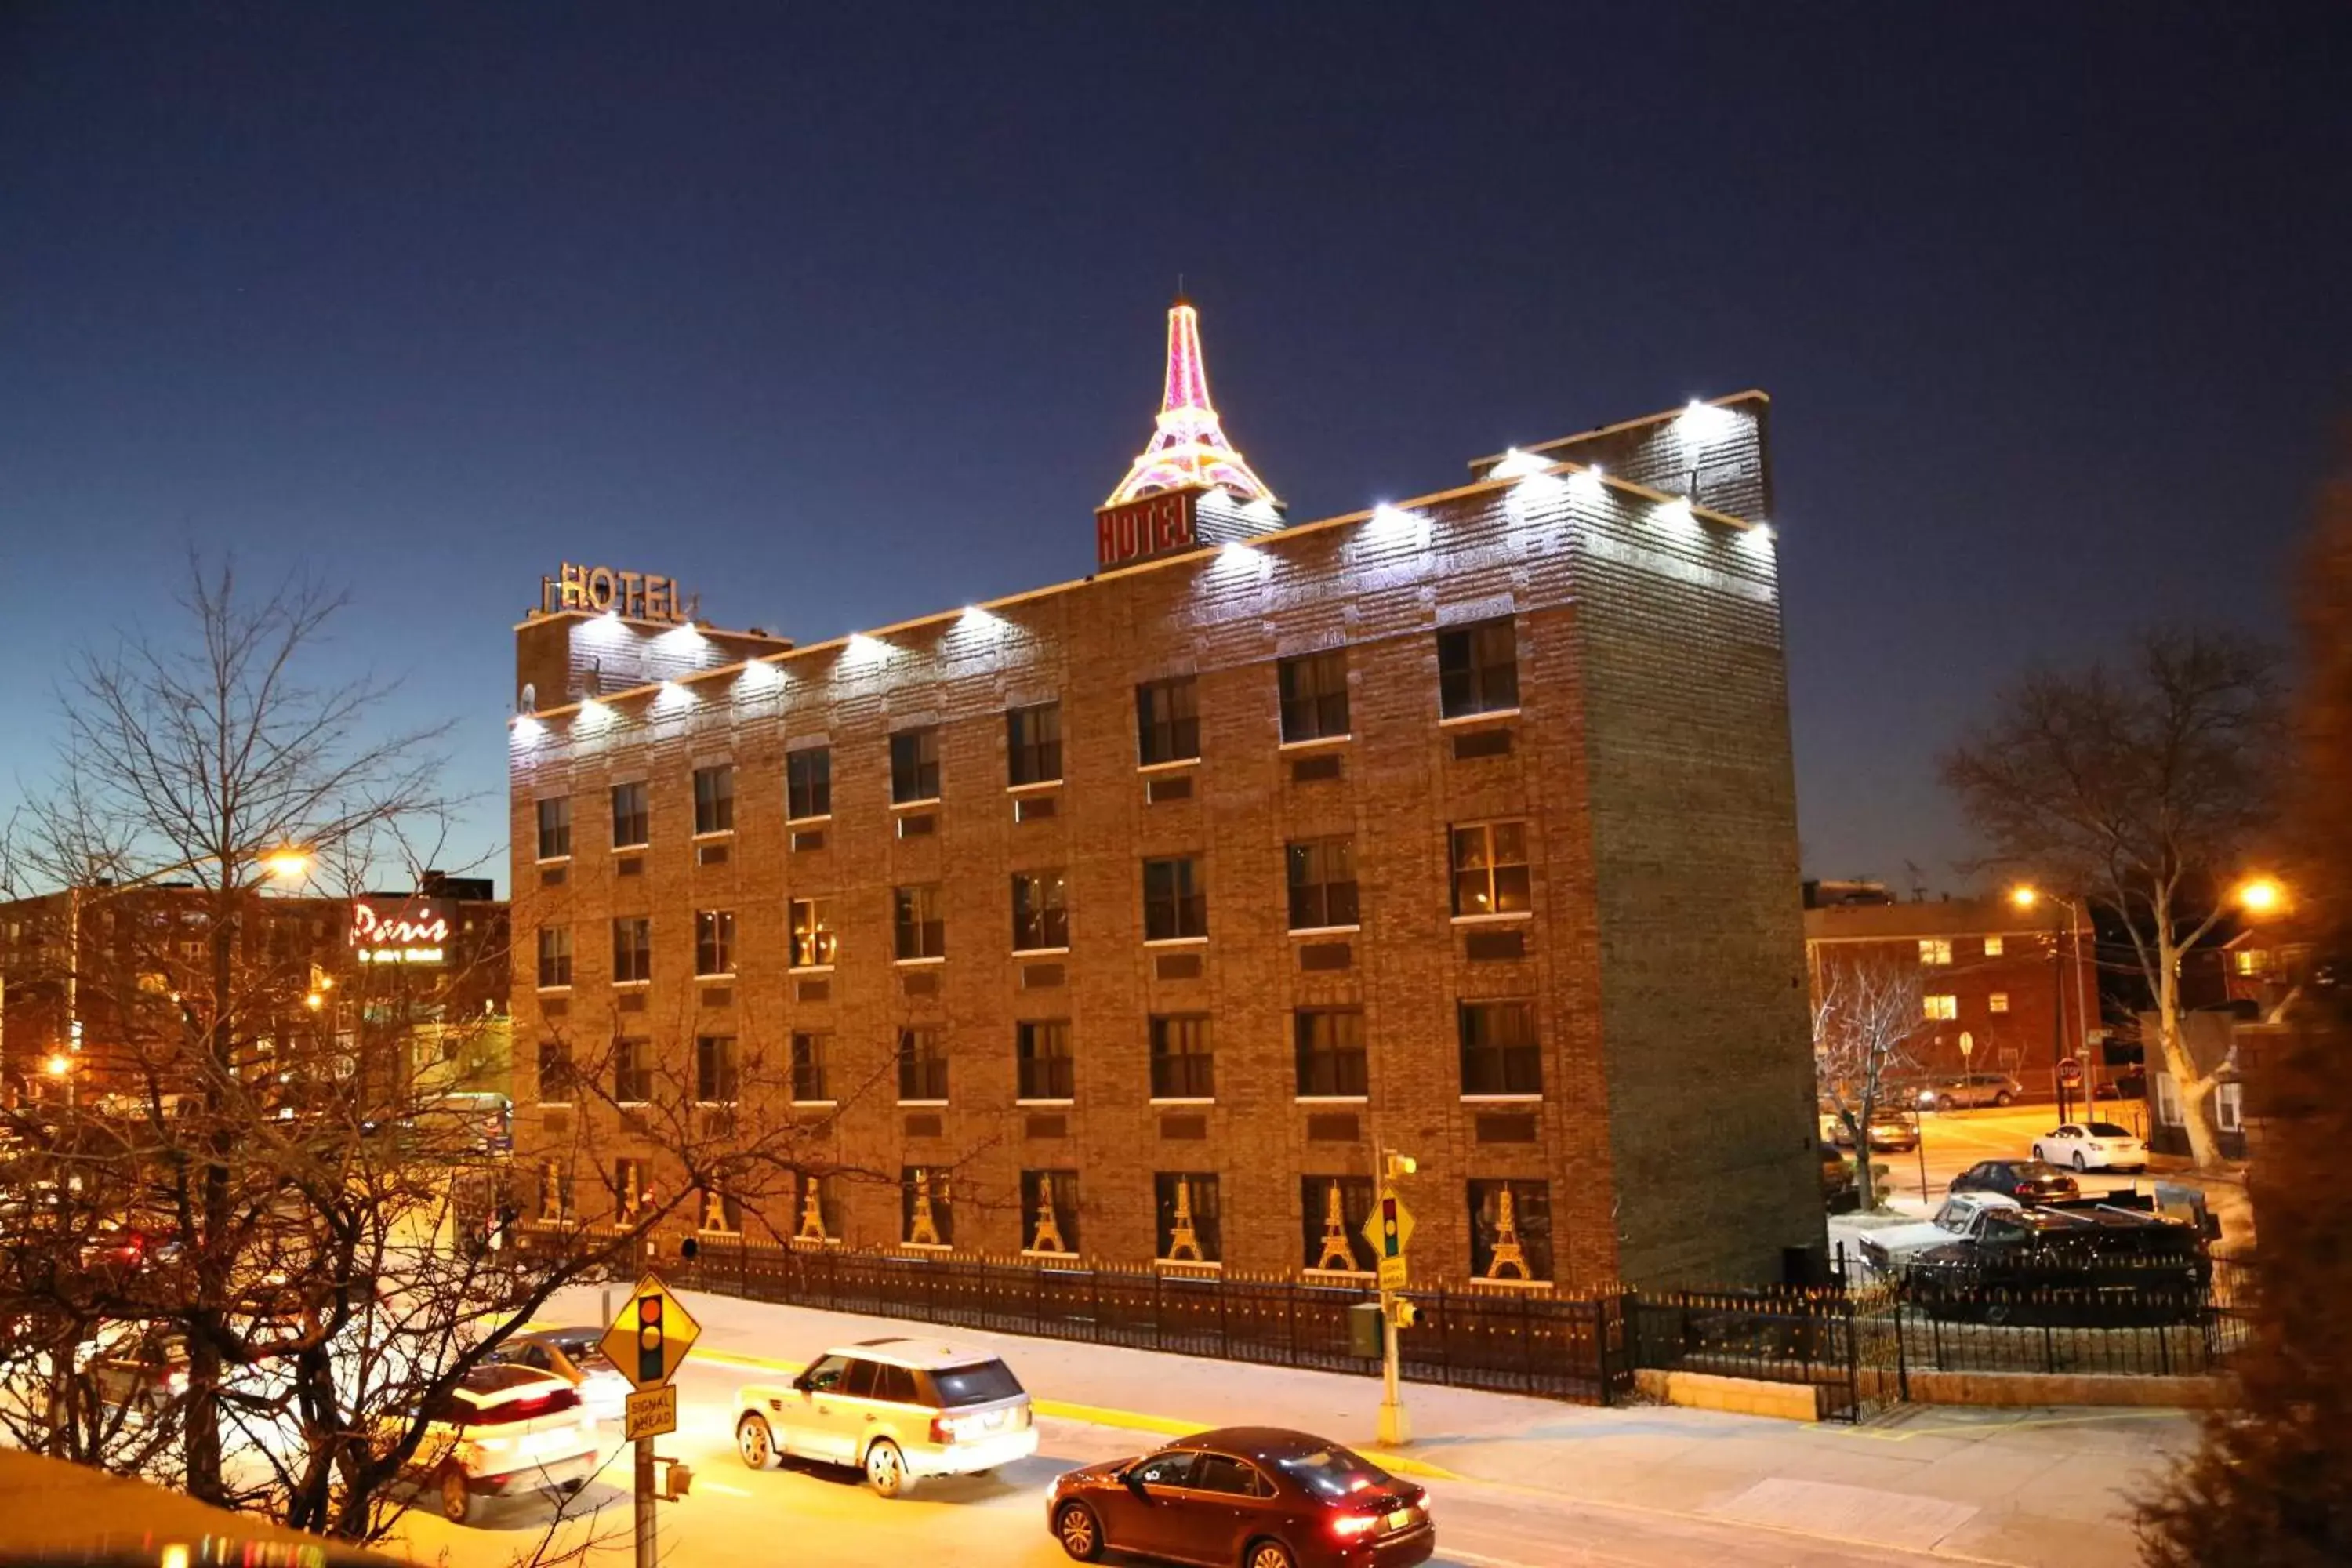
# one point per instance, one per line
(1157, 903)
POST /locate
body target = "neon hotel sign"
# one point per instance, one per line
(638, 596)
(411, 932)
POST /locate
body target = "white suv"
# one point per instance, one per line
(501, 1430)
(899, 1409)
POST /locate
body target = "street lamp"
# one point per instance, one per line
(59, 1064)
(287, 864)
(2260, 896)
(2025, 896)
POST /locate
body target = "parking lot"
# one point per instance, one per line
(1952, 1141)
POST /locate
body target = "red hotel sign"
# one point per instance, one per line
(1141, 529)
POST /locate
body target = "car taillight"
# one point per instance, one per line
(949, 1429)
(1348, 1526)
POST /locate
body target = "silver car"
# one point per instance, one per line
(897, 1408)
(1970, 1089)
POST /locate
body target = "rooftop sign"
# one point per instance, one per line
(637, 596)
(413, 931)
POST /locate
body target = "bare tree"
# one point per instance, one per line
(1864, 1019)
(2142, 787)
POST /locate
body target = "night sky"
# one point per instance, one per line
(847, 314)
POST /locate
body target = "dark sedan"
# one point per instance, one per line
(1257, 1495)
(2027, 1181)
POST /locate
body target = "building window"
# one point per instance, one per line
(1322, 883)
(714, 799)
(628, 1190)
(2251, 960)
(555, 828)
(922, 929)
(1935, 950)
(1033, 743)
(1188, 1231)
(1040, 919)
(1478, 669)
(1998, 1002)
(554, 957)
(631, 816)
(1043, 1054)
(1168, 720)
(1510, 1230)
(555, 1083)
(1490, 869)
(915, 765)
(1992, 947)
(1329, 1047)
(714, 941)
(633, 948)
(813, 938)
(1332, 1213)
(2167, 1100)
(1175, 900)
(808, 783)
(632, 1072)
(717, 1212)
(715, 1077)
(1049, 1211)
(926, 1207)
(554, 1189)
(922, 1064)
(809, 1052)
(1314, 696)
(2228, 1106)
(1500, 1053)
(1183, 1064)
(1943, 1007)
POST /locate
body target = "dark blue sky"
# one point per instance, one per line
(842, 314)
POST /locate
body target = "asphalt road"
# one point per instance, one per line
(737, 1518)
(1953, 1140)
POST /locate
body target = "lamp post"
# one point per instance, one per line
(2025, 897)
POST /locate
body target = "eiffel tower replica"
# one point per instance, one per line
(922, 1230)
(1187, 449)
(714, 1211)
(1507, 1251)
(811, 1217)
(1336, 1254)
(1049, 1234)
(1182, 1239)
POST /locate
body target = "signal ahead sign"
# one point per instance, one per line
(651, 1336)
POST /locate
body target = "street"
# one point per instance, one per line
(733, 1515)
(1953, 1140)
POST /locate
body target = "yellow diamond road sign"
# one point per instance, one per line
(1389, 1227)
(651, 1336)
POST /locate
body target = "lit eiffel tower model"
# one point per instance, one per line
(1187, 449)
(1049, 1233)
(714, 1211)
(921, 1230)
(1508, 1252)
(812, 1217)
(1181, 1238)
(1336, 1254)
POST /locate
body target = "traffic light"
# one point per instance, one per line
(1407, 1314)
(649, 1340)
(1402, 1165)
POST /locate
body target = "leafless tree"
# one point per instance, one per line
(2143, 787)
(1864, 1019)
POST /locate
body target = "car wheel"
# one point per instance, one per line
(886, 1471)
(755, 1442)
(2080, 1163)
(1267, 1554)
(1079, 1531)
(1944, 1102)
(2003, 1099)
(1998, 1310)
(456, 1502)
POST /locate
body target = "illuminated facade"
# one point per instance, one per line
(1131, 918)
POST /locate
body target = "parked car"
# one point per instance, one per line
(898, 1409)
(501, 1430)
(577, 1356)
(1841, 1192)
(2092, 1145)
(1962, 1216)
(1258, 1496)
(2088, 1262)
(1892, 1131)
(2027, 1181)
(139, 1368)
(1970, 1089)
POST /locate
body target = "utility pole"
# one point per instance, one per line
(1389, 1229)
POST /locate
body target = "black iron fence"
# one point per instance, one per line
(1803, 1336)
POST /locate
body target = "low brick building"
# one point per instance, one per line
(1160, 902)
(2018, 986)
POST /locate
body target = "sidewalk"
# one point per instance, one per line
(2039, 1488)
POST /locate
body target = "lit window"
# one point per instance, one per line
(1510, 1230)
(1175, 899)
(808, 784)
(714, 941)
(1500, 1053)
(1940, 1006)
(1041, 919)
(915, 765)
(1992, 947)
(1934, 950)
(926, 1216)
(1478, 669)
(2168, 1099)
(921, 924)
(1490, 869)
(632, 947)
(632, 818)
(922, 1064)
(1333, 1211)
(1183, 1061)
(1322, 883)
(1053, 1194)
(2251, 960)
(554, 957)
(1329, 1047)
(718, 1213)
(555, 828)
(714, 799)
(1033, 743)
(714, 1077)
(1314, 696)
(1998, 1002)
(1168, 720)
(1189, 1227)
(1041, 1055)
(2228, 1106)
(813, 938)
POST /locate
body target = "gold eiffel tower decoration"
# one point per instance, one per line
(1507, 1253)
(812, 1217)
(1181, 1238)
(1336, 1252)
(1049, 1234)
(632, 1194)
(551, 1190)
(714, 1211)
(921, 1231)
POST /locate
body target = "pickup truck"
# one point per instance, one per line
(1961, 1219)
(2083, 1262)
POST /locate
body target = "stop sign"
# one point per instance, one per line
(2070, 1071)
